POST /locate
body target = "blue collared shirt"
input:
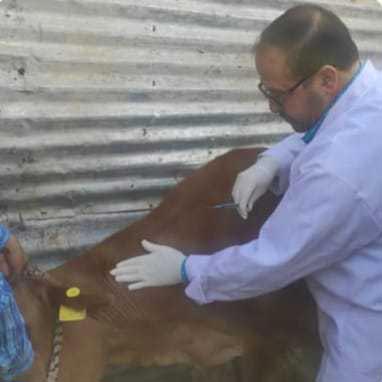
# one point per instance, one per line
(4, 236)
(16, 354)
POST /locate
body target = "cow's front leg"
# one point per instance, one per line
(83, 353)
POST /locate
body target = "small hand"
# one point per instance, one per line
(162, 266)
(12, 258)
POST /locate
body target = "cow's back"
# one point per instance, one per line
(186, 220)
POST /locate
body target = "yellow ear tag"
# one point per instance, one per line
(68, 314)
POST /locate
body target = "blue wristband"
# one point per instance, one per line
(4, 236)
(183, 272)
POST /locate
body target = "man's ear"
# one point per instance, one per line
(329, 79)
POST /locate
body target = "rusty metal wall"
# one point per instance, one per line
(105, 104)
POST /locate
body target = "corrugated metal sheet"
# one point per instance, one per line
(107, 104)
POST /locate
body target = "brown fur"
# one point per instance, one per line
(160, 326)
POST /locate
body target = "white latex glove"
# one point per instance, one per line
(162, 266)
(253, 182)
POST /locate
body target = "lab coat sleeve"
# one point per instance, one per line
(284, 152)
(319, 221)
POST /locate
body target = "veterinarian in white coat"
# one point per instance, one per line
(328, 225)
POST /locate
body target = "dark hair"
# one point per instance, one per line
(310, 36)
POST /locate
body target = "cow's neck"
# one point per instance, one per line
(40, 317)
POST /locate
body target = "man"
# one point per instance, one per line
(16, 354)
(328, 225)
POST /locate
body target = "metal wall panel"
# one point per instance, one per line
(105, 104)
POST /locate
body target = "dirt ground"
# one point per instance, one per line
(299, 367)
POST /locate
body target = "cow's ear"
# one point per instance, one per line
(52, 292)
(92, 301)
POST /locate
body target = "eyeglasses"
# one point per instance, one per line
(279, 96)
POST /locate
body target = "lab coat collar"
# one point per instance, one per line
(361, 82)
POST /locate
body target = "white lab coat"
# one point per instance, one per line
(327, 229)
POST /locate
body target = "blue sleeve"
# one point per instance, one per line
(4, 236)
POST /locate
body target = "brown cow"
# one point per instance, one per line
(160, 326)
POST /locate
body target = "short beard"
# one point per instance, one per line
(297, 126)
(315, 104)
